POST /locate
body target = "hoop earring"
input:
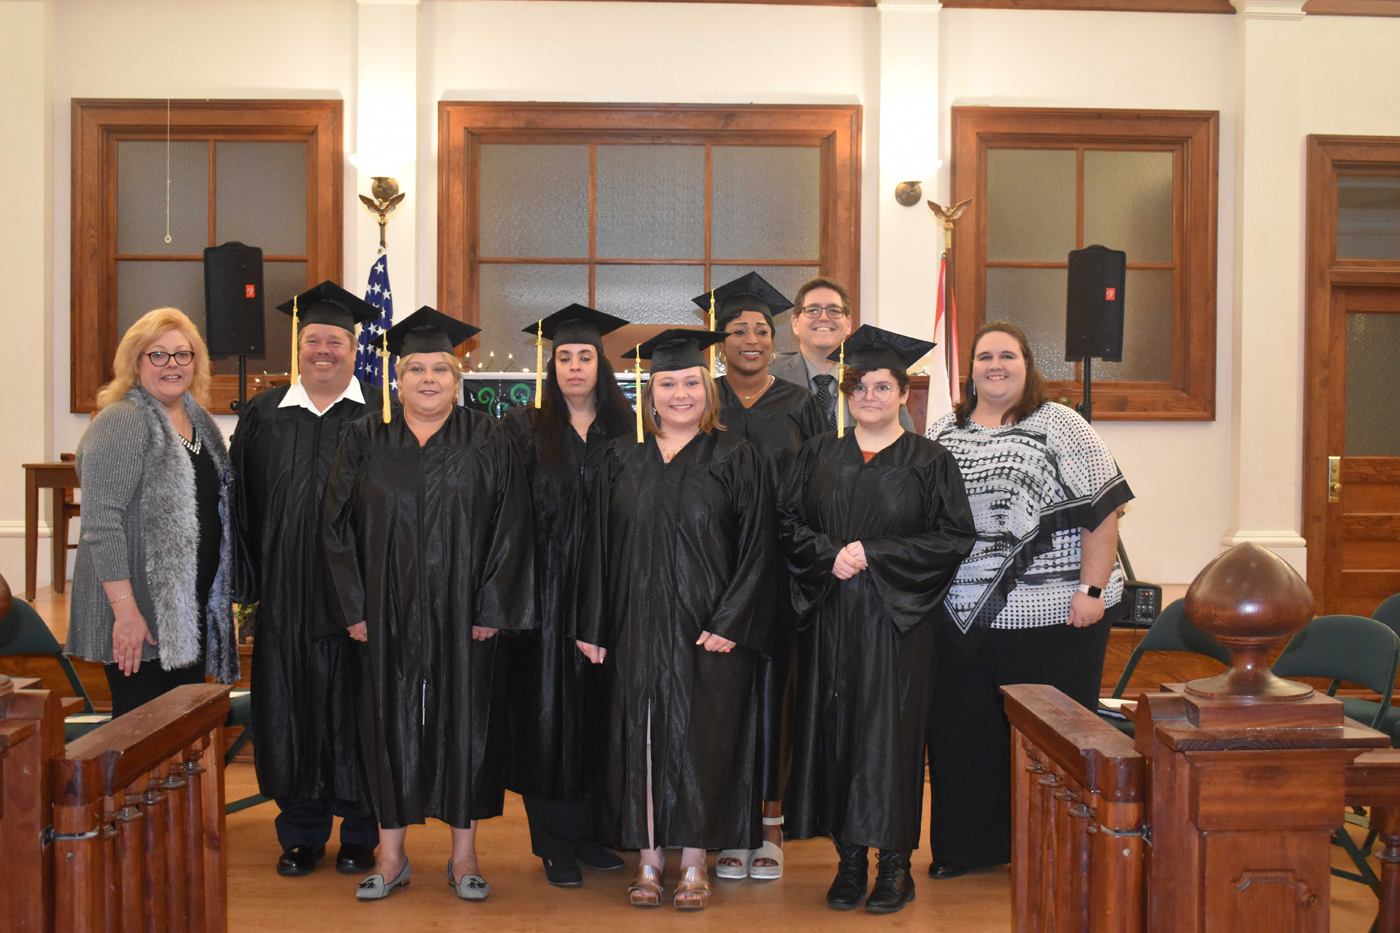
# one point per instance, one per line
(773, 357)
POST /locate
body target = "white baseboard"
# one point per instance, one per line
(15, 529)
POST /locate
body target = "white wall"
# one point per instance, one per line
(1006, 58)
(26, 430)
(1351, 75)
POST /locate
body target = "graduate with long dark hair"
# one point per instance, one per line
(545, 680)
(874, 525)
(776, 417)
(677, 608)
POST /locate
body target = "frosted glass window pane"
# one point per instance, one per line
(534, 201)
(1373, 372)
(141, 198)
(144, 286)
(765, 202)
(1034, 299)
(651, 202)
(1147, 329)
(281, 280)
(1128, 203)
(650, 294)
(513, 296)
(260, 192)
(1368, 217)
(1030, 204)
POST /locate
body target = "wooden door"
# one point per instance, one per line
(1351, 459)
(1362, 565)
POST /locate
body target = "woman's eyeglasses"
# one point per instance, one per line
(883, 392)
(181, 357)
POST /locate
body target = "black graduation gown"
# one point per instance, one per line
(547, 683)
(674, 550)
(303, 715)
(777, 425)
(865, 649)
(422, 543)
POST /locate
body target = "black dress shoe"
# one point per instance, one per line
(893, 886)
(942, 871)
(353, 859)
(852, 875)
(562, 872)
(597, 857)
(299, 860)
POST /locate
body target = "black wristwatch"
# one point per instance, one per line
(1093, 591)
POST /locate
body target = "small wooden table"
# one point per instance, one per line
(56, 476)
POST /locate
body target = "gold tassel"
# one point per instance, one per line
(841, 402)
(712, 327)
(637, 368)
(384, 358)
(539, 363)
(296, 370)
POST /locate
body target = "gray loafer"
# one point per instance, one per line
(374, 888)
(469, 887)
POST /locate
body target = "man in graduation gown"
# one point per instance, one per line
(303, 723)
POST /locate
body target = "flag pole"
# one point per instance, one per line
(948, 218)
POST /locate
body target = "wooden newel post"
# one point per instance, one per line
(1248, 771)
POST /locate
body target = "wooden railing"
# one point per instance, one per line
(1373, 781)
(123, 830)
(1077, 847)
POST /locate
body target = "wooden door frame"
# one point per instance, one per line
(1328, 158)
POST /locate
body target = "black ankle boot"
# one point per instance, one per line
(893, 886)
(852, 875)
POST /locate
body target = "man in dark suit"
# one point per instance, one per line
(821, 319)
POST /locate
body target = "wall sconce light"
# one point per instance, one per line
(386, 193)
(908, 193)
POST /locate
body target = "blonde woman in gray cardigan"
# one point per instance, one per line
(151, 589)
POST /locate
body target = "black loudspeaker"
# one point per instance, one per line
(233, 300)
(1094, 309)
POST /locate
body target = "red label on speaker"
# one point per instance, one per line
(248, 291)
(1109, 294)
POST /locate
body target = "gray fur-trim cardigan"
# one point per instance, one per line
(140, 524)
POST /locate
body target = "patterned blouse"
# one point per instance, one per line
(1033, 485)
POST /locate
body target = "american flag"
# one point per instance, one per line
(367, 359)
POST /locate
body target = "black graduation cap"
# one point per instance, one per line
(328, 303)
(676, 348)
(749, 292)
(575, 324)
(872, 348)
(426, 331)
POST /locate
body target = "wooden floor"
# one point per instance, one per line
(522, 902)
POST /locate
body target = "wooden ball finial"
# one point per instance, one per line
(1249, 599)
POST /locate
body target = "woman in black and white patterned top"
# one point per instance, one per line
(1028, 603)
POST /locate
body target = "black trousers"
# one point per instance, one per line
(969, 737)
(149, 682)
(304, 821)
(556, 826)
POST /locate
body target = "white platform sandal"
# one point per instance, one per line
(769, 850)
(733, 872)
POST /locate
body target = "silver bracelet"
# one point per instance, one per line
(119, 599)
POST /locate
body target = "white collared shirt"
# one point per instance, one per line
(296, 397)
